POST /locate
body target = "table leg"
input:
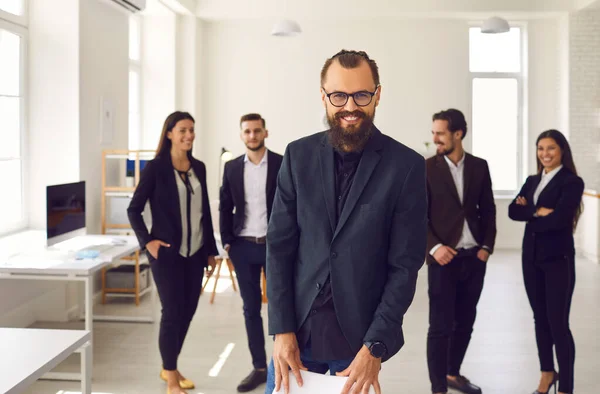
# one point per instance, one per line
(86, 369)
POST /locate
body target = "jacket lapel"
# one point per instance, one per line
(328, 179)
(368, 162)
(444, 172)
(271, 173)
(468, 172)
(172, 192)
(551, 185)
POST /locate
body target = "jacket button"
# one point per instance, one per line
(314, 311)
(318, 286)
(334, 255)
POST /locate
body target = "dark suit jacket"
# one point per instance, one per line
(551, 236)
(447, 214)
(158, 185)
(232, 195)
(372, 256)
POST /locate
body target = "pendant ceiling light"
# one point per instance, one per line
(286, 28)
(495, 25)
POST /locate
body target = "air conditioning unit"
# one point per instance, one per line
(130, 5)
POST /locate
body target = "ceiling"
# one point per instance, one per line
(363, 9)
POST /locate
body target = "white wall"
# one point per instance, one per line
(423, 67)
(159, 30)
(104, 73)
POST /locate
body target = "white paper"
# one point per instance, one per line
(316, 383)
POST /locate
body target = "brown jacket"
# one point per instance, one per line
(447, 215)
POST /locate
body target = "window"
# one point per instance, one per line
(12, 117)
(135, 83)
(496, 68)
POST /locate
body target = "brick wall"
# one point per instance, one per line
(584, 94)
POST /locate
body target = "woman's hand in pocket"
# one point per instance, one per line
(154, 245)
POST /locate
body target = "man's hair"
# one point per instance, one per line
(351, 59)
(455, 118)
(248, 117)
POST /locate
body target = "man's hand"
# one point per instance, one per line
(286, 356)
(226, 247)
(362, 373)
(444, 254)
(483, 255)
(212, 263)
(541, 211)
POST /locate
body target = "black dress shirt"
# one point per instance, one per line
(321, 330)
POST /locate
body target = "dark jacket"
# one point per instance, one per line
(232, 195)
(549, 237)
(158, 185)
(447, 214)
(372, 255)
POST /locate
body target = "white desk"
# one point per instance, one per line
(59, 263)
(27, 353)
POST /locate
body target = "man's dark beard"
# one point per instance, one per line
(258, 147)
(353, 138)
(446, 151)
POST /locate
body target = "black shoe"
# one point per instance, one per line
(554, 380)
(252, 381)
(463, 385)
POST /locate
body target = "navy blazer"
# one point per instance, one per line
(549, 237)
(372, 255)
(232, 195)
(158, 185)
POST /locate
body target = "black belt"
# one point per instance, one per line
(256, 240)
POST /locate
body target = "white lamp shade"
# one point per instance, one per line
(495, 25)
(286, 28)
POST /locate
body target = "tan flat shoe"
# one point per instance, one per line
(185, 384)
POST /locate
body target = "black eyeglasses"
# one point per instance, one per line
(339, 99)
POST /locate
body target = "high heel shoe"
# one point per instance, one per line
(552, 384)
(184, 384)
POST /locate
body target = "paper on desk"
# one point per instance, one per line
(315, 383)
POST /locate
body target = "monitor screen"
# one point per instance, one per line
(65, 210)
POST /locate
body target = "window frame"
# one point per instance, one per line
(521, 78)
(136, 66)
(22, 32)
(20, 20)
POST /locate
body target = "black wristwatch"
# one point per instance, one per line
(376, 348)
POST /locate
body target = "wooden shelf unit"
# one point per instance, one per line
(122, 191)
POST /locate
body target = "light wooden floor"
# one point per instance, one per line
(502, 357)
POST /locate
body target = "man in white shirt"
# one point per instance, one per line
(461, 236)
(246, 199)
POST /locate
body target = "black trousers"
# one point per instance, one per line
(454, 291)
(249, 258)
(179, 284)
(549, 286)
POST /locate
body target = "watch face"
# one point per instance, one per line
(378, 349)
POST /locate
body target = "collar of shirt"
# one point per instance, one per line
(458, 165)
(547, 176)
(263, 161)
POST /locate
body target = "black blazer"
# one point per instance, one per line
(372, 255)
(446, 212)
(158, 184)
(549, 237)
(232, 195)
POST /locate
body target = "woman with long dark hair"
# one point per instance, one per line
(550, 203)
(181, 244)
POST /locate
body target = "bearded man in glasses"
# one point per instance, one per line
(346, 238)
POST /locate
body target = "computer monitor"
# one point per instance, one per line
(65, 212)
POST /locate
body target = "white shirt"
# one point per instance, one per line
(546, 178)
(195, 214)
(466, 240)
(255, 195)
